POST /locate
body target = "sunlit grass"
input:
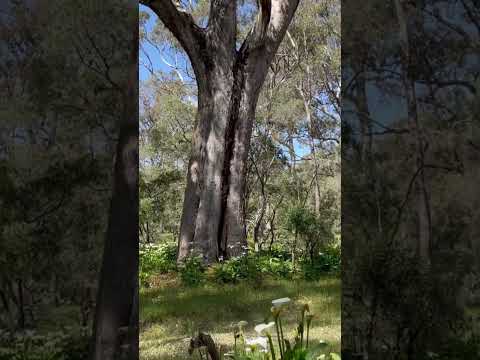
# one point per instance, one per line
(172, 314)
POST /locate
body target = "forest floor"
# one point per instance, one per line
(171, 314)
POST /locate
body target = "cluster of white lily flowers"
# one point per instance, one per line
(264, 342)
(261, 343)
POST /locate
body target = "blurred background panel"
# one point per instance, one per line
(410, 135)
(65, 74)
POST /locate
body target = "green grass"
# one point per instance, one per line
(171, 315)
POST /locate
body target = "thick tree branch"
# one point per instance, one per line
(183, 27)
(263, 40)
(272, 22)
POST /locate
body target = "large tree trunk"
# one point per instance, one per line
(117, 285)
(213, 220)
(115, 328)
(229, 83)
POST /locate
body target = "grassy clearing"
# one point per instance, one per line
(171, 314)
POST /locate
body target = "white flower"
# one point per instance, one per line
(262, 327)
(280, 302)
(258, 341)
(242, 323)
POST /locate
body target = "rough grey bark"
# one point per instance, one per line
(229, 83)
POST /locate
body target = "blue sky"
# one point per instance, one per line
(152, 52)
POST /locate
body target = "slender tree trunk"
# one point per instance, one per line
(305, 90)
(366, 138)
(294, 249)
(147, 232)
(21, 305)
(421, 198)
(258, 223)
(272, 223)
(262, 178)
(308, 114)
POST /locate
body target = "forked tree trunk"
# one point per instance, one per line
(213, 222)
(229, 83)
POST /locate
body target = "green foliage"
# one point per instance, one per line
(252, 267)
(192, 271)
(156, 259)
(280, 251)
(328, 261)
(316, 232)
(49, 346)
(236, 269)
(277, 266)
(301, 220)
(161, 259)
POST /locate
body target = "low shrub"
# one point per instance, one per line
(280, 252)
(278, 267)
(328, 261)
(156, 259)
(192, 271)
(236, 269)
(161, 259)
(257, 265)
